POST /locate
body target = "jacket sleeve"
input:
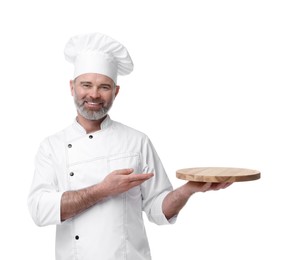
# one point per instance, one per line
(156, 189)
(44, 198)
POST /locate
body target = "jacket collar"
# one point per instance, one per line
(105, 124)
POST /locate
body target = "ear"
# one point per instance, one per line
(71, 84)
(117, 88)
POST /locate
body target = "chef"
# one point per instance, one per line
(94, 179)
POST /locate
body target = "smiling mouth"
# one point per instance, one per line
(93, 105)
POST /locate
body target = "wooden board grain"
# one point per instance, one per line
(217, 174)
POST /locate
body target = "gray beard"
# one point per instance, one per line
(91, 115)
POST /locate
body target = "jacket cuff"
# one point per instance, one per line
(48, 211)
(157, 216)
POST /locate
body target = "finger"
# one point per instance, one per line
(195, 186)
(218, 186)
(137, 183)
(140, 177)
(227, 184)
(123, 171)
(206, 186)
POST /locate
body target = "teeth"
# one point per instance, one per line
(93, 103)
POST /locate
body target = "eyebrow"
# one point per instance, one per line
(105, 84)
(85, 82)
(90, 83)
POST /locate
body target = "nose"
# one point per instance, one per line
(94, 93)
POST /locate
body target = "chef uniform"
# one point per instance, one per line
(72, 159)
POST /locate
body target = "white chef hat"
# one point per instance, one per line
(98, 53)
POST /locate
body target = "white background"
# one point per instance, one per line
(205, 89)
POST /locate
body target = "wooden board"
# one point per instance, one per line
(217, 174)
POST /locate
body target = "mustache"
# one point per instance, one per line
(81, 102)
(96, 100)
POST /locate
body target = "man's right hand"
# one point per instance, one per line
(122, 180)
(119, 181)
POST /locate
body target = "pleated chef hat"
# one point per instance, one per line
(98, 53)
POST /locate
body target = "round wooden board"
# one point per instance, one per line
(217, 174)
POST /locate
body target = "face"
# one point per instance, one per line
(93, 95)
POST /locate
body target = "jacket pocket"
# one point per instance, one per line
(124, 161)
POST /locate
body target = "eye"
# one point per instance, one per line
(105, 87)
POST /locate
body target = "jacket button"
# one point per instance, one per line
(90, 136)
(71, 174)
(76, 237)
(69, 146)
